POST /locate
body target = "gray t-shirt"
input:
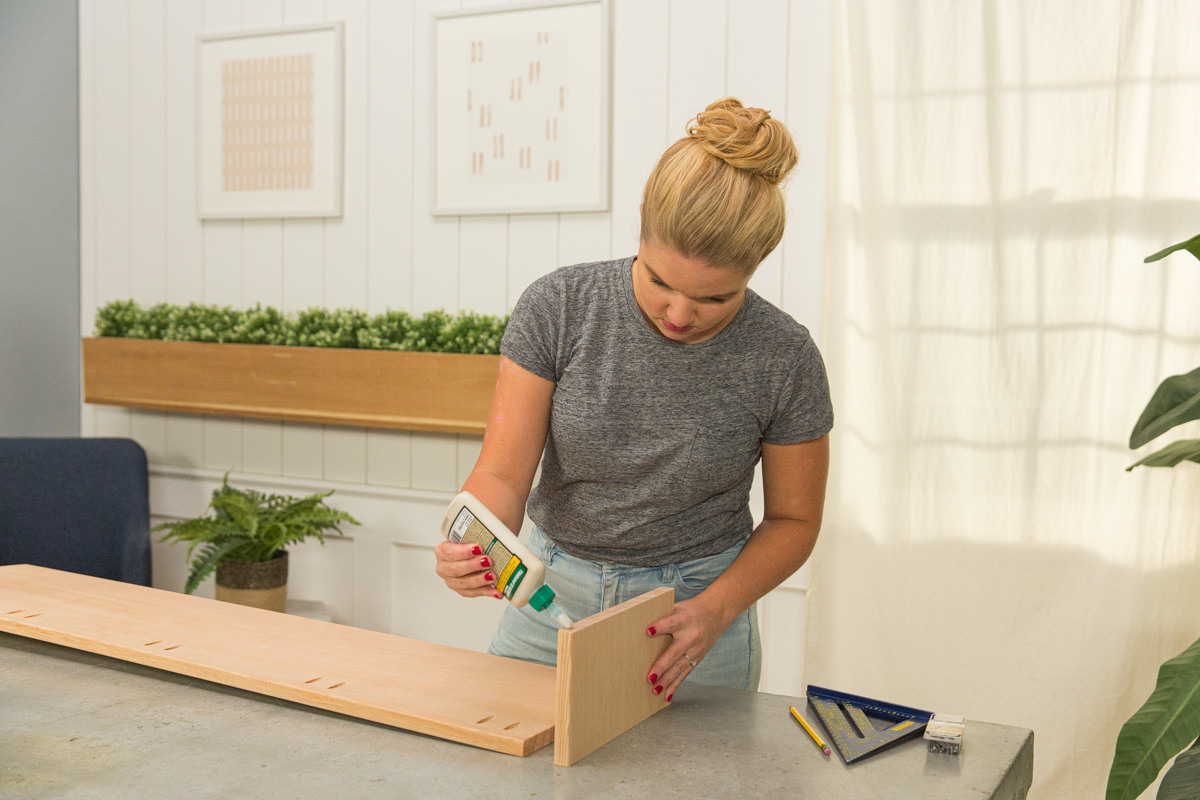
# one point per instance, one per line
(652, 443)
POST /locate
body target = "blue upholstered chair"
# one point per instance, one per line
(80, 505)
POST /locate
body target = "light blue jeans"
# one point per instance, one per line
(585, 587)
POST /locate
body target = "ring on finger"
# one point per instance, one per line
(689, 660)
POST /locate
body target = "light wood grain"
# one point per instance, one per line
(602, 666)
(444, 392)
(477, 699)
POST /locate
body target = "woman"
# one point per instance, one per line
(649, 388)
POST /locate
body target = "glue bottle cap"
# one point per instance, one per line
(543, 597)
(543, 600)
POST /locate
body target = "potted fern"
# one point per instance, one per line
(243, 536)
(1169, 720)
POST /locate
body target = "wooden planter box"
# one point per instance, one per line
(444, 392)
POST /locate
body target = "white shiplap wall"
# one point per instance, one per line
(141, 239)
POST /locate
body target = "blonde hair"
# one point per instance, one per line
(715, 193)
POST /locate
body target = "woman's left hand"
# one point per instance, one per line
(694, 628)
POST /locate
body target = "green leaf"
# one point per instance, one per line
(207, 562)
(1175, 401)
(1182, 781)
(1192, 245)
(247, 525)
(1165, 724)
(1172, 454)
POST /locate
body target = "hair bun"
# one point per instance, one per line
(745, 138)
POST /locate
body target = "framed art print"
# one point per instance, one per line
(521, 108)
(270, 123)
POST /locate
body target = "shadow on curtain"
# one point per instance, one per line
(999, 170)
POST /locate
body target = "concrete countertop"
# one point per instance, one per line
(75, 725)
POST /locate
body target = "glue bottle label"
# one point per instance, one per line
(509, 570)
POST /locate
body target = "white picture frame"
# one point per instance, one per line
(270, 119)
(521, 108)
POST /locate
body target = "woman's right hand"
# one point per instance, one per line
(466, 570)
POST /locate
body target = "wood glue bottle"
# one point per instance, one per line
(520, 575)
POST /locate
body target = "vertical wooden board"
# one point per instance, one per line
(303, 12)
(184, 244)
(483, 271)
(810, 81)
(695, 81)
(371, 589)
(303, 264)
(346, 237)
(262, 262)
(324, 572)
(391, 117)
(222, 443)
(222, 262)
(585, 237)
(601, 681)
(435, 240)
(389, 458)
(149, 429)
(112, 422)
(640, 126)
(111, 189)
(758, 54)
(345, 454)
(304, 451)
(262, 446)
(469, 448)
(532, 252)
(782, 615)
(434, 462)
(756, 73)
(148, 144)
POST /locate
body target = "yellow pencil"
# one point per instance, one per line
(821, 744)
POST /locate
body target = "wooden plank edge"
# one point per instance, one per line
(507, 744)
(431, 424)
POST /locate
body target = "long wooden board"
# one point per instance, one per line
(446, 392)
(496, 703)
(602, 666)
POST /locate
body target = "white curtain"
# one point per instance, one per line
(999, 170)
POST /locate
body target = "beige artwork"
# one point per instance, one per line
(267, 123)
(517, 95)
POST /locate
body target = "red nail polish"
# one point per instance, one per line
(485, 562)
(491, 576)
(476, 551)
(658, 690)
(669, 697)
(651, 630)
(652, 678)
(497, 595)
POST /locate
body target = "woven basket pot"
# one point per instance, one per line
(262, 584)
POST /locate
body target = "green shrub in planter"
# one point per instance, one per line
(318, 327)
(435, 332)
(260, 325)
(386, 331)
